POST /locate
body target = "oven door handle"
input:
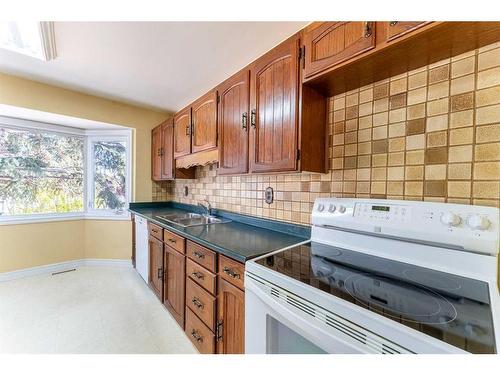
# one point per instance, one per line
(301, 323)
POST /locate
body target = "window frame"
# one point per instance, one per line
(87, 135)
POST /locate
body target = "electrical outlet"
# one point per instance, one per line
(269, 195)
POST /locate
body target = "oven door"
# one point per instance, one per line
(273, 326)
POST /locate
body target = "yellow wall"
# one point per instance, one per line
(30, 245)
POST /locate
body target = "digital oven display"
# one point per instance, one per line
(381, 208)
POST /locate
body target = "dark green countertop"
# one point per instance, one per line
(244, 238)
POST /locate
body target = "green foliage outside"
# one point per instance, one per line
(44, 173)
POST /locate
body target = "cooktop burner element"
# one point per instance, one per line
(440, 283)
(421, 305)
(451, 308)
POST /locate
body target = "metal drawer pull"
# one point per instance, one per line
(230, 273)
(393, 23)
(196, 336)
(172, 240)
(198, 275)
(197, 303)
(368, 29)
(198, 255)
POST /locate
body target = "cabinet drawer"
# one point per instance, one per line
(201, 255)
(201, 302)
(232, 271)
(201, 276)
(155, 231)
(199, 334)
(174, 241)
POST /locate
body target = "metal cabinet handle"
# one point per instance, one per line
(253, 113)
(197, 303)
(244, 120)
(219, 331)
(160, 273)
(187, 129)
(172, 240)
(198, 255)
(393, 23)
(196, 336)
(198, 275)
(230, 273)
(368, 29)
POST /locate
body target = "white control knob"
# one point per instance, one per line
(478, 222)
(341, 209)
(332, 208)
(449, 218)
(321, 207)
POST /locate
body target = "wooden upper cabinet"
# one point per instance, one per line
(230, 319)
(156, 156)
(330, 43)
(204, 122)
(395, 29)
(182, 132)
(167, 150)
(234, 123)
(274, 114)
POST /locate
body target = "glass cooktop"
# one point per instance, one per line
(450, 308)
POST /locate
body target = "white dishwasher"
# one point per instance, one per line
(141, 248)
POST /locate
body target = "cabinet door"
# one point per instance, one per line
(204, 113)
(182, 133)
(273, 118)
(395, 29)
(233, 124)
(330, 43)
(156, 144)
(230, 319)
(167, 152)
(156, 266)
(174, 283)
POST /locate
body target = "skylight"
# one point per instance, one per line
(35, 39)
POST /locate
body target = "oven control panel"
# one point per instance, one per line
(474, 228)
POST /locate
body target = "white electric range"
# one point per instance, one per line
(380, 276)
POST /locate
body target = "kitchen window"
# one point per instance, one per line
(49, 172)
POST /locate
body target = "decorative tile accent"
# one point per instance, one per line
(428, 134)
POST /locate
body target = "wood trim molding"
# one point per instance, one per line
(63, 266)
(199, 158)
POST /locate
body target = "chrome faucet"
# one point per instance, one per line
(207, 207)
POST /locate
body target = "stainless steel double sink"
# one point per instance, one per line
(191, 219)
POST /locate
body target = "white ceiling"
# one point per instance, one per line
(162, 65)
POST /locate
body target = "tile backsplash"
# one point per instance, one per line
(430, 134)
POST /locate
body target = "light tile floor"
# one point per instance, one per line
(90, 310)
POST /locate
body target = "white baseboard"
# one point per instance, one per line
(63, 266)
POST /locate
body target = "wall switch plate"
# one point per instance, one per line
(269, 195)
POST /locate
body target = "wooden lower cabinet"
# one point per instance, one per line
(201, 289)
(230, 319)
(199, 334)
(156, 266)
(174, 283)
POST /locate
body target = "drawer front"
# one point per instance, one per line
(232, 271)
(201, 255)
(199, 334)
(155, 231)
(201, 276)
(174, 241)
(201, 302)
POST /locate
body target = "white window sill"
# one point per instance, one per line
(19, 220)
